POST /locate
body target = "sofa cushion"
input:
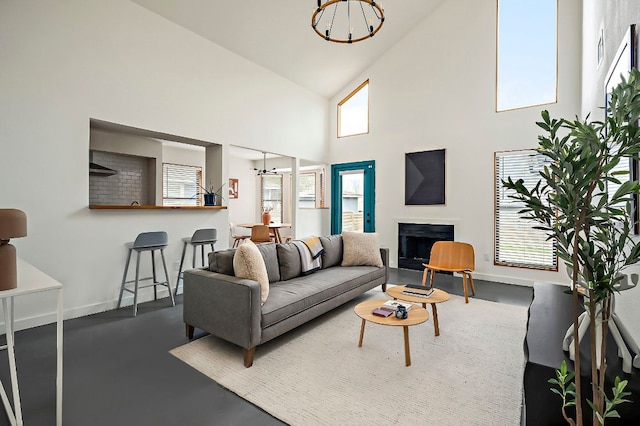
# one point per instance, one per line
(361, 249)
(288, 298)
(248, 263)
(222, 261)
(289, 261)
(270, 257)
(332, 253)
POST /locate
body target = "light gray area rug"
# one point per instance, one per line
(316, 375)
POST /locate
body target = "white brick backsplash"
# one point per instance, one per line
(129, 185)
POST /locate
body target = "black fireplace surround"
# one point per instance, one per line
(415, 241)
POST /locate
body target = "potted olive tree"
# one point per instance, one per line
(591, 225)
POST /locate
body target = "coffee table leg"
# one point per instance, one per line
(436, 326)
(361, 332)
(407, 353)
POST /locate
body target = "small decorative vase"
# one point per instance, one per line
(209, 199)
(266, 218)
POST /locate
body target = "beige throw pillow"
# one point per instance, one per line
(361, 249)
(248, 263)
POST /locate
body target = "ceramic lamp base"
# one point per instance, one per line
(8, 268)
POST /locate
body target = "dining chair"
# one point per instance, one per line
(260, 234)
(237, 238)
(451, 256)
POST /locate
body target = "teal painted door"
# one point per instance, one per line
(353, 197)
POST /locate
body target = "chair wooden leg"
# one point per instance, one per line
(473, 288)
(189, 330)
(424, 276)
(248, 356)
(466, 290)
(433, 274)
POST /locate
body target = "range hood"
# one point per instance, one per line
(98, 170)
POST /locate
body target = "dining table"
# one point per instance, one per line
(273, 227)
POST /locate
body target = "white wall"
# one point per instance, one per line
(614, 18)
(436, 89)
(68, 61)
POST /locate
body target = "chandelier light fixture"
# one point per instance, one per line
(264, 170)
(347, 21)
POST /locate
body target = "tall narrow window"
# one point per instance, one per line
(271, 190)
(307, 190)
(180, 185)
(527, 53)
(517, 243)
(353, 112)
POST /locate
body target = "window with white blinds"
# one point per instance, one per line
(307, 190)
(180, 185)
(271, 190)
(517, 243)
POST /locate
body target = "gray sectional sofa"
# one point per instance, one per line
(218, 302)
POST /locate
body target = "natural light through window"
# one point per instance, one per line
(353, 112)
(517, 242)
(181, 185)
(527, 53)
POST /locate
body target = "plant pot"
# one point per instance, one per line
(210, 199)
(266, 218)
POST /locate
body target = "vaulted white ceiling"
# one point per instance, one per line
(277, 35)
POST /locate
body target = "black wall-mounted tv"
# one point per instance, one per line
(424, 174)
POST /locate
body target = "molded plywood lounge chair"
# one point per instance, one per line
(451, 256)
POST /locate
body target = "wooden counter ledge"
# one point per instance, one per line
(93, 207)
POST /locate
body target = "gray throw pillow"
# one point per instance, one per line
(222, 261)
(332, 253)
(289, 260)
(270, 256)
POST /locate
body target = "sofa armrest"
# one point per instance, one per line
(223, 305)
(384, 253)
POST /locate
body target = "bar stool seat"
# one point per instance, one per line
(146, 241)
(200, 238)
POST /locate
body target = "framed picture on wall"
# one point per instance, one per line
(424, 174)
(626, 57)
(233, 188)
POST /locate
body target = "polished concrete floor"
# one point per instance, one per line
(118, 370)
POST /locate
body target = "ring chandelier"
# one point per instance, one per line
(357, 20)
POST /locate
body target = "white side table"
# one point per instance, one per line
(30, 280)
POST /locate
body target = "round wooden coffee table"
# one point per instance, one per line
(416, 315)
(438, 296)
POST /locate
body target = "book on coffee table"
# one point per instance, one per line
(393, 304)
(418, 293)
(383, 311)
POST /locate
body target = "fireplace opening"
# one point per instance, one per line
(415, 241)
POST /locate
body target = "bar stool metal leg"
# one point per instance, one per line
(184, 251)
(124, 277)
(155, 278)
(135, 293)
(166, 275)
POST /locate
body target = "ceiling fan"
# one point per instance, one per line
(264, 170)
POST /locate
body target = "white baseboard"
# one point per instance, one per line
(50, 318)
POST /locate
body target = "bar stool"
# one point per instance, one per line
(146, 241)
(201, 237)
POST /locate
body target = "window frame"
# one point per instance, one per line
(344, 101)
(262, 199)
(500, 193)
(198, 199)
(313, 174)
